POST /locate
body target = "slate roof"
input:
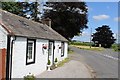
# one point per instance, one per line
(19, 26)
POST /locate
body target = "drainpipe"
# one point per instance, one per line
(8, 57)
(10, 41)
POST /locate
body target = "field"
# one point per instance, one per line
(88, 47)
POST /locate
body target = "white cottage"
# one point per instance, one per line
(29, 45)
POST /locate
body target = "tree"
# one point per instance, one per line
(23, 9)
(13, 7)
(68, 18)
(103, 36)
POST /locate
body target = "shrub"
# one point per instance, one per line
(56, 60)
(116, 47)
(29, 77)
(49, 62)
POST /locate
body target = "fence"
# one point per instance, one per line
(2, 63)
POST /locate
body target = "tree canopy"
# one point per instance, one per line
(68, 18)
(103, 36)
(13, 7)
(23, 9)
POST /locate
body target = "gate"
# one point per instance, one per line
(2, 63)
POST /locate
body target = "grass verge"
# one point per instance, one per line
(61, 63)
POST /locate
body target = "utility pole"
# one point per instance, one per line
(116, 36)
(90, 37)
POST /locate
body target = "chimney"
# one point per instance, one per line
(46, 21)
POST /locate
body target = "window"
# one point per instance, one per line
(62, 49)
(30, 54)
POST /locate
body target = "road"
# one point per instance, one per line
(104, 63)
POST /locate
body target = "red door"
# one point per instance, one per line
(2, 63)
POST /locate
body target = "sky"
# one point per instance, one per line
(100, 13)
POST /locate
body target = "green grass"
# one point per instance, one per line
(94, 49)
(81, 43)
(116, 47)
(88, 48)
(61, 63)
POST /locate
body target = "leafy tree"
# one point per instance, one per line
(68, 18)
(23, 9)
(103, 36)
(13, 7)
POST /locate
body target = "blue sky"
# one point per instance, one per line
(100, 13)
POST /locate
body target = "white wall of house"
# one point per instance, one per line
(3, 38)
(19, 67)
(57, 51)
(65, 50)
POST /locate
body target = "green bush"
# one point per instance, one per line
(49, 62)
(56, 60)
(116, 47)
(29, 77)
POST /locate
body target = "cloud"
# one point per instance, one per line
(117, 19)
(101, 17)
(85, 33)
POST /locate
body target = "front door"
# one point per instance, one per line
(51, 52)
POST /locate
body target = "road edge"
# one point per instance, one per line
(91, 71)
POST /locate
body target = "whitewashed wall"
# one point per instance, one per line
(66, 50)
(19, 67)
(3, 38)
(57, 53)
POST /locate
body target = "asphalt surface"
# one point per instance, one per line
(72, 69)
(104, 63)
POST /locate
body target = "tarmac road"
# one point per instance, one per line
(104, 63)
